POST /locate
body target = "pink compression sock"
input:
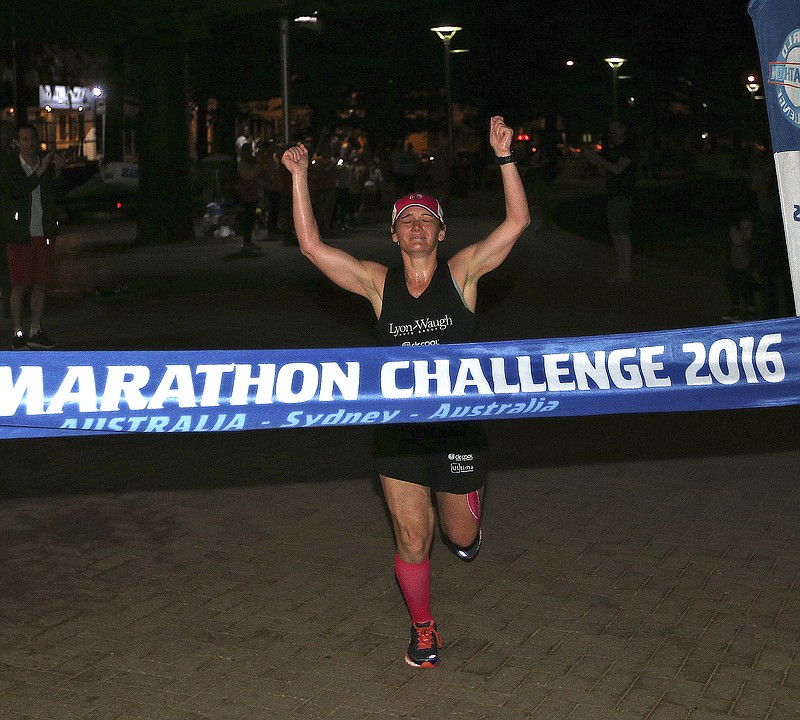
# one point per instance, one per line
(474, 502)
(415, 584)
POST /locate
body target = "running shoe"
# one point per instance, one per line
(40, 341)
(18, 342)
(468, 554)
(423, 650)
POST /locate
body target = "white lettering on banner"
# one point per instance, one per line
(501, 385)
(77, 387)
(341, 417)
(127, 381)
(159, 423)
(264, 383)
(446, 411)
(308, 375)
(347, 383)
(178, 384)
(213, 384)
(562, 372)
(470, 374)
(725, 360)
(554, 371)
(311, 384)
(29, 387)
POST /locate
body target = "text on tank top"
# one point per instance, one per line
(437, 316)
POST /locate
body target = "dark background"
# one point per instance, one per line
(382, 48)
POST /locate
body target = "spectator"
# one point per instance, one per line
(32, 227)
(739, 276)
(405, 168)
(359, 177)
(373, 187)
(546, 166)
(618, 159)
(322, 180)
(6, 163)
(344, 175)
(246, 138)
(271, 173)
(247, 187)
(440, 172)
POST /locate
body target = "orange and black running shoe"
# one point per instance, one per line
(423, 650)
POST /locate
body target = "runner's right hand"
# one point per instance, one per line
(295, 158)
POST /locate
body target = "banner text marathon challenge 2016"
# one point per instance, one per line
(75, 393)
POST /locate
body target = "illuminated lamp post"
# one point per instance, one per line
(753, 87)
(310, 22)
(47, 109)
(99, 102)
(615, 63)
(446, 33)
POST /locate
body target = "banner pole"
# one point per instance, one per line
(777, 29)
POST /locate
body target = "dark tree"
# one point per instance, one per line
(165, 208)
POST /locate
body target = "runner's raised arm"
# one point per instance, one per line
(474, 261)
(362, 277)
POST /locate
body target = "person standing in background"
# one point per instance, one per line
(32, 226)
(618, 159)
(248, 173)
(405, 168)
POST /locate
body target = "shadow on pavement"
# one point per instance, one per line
(130, 463)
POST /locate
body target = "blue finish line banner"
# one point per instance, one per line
(49, 394)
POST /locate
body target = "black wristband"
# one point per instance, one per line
(504, 160)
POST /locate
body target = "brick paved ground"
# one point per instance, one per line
(624, 590)
(634, 567)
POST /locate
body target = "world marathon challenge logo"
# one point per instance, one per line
(785, 74)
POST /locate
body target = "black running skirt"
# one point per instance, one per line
(446, 457)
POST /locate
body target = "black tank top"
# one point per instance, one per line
(437, 316)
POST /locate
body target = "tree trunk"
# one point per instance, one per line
(164, 202)
(114, 99)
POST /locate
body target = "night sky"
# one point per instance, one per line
(516, 64)
(381, 48)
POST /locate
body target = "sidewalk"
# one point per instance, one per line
(633, 566)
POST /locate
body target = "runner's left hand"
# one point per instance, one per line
(500, 136)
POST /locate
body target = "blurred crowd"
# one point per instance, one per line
(348, 178)
(352, 183)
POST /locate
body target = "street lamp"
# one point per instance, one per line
(99, 102)
(446, 33)
(753, 87)
(311, 22)
(615, 63)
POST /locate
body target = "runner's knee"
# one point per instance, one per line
(413, 539)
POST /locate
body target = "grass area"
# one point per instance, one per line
(679, 222)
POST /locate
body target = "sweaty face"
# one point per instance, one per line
(417, 229)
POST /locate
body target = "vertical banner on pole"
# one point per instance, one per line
(777, 28)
